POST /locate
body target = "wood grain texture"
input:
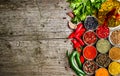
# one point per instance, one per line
(33, 38)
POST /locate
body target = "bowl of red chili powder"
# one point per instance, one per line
(89, 52)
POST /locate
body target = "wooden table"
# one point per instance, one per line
(33, 38)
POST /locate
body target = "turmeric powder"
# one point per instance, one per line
(114, 68)
(114, 53)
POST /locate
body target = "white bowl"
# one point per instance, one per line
(111, 30)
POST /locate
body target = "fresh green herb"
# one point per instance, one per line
(83, 8)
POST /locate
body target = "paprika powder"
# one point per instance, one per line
(89, 52)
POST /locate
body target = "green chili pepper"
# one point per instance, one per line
(75, 55)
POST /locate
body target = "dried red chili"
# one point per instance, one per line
(89, 37)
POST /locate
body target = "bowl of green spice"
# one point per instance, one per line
(103, 46)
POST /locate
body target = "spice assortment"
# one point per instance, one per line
(95, 52)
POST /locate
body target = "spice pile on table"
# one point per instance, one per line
(94, 53)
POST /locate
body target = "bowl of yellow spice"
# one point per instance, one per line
(107, 6)
(114, 69)
(114, 54)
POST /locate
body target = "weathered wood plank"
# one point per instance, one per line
(43, 57)
(34, 19)
(33, 38)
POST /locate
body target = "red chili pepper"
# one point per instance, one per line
(76, 44)
(80, 33)
(80, 41)
(79, 27)
(72, 35)
(82, 59)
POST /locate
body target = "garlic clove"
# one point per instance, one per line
(71, 25)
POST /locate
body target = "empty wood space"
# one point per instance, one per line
(33, 38)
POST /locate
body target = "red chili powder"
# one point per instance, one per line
(89, 52)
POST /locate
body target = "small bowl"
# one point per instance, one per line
(107, 61)
(90, 27)
(116, 60)
(89, 53)
(103, 48)
(92, 43)
(93, 63)
(102, 69)
(109, 38)
(102, 31)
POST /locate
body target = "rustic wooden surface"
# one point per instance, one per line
(33, 38)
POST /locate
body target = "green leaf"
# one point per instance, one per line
(97, 1)
(88, 8)
(73, 5)
(78, 10)
(98, 5)
(103, 1)
(75, 19)
(92, 1)
(83, 16)
(79, 0)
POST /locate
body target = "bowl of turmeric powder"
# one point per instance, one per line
(114, 54)
(114, 69)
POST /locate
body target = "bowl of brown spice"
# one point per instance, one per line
(114, 36)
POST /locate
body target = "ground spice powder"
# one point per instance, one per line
(89, 52)
(115, 37)
(114, 53)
